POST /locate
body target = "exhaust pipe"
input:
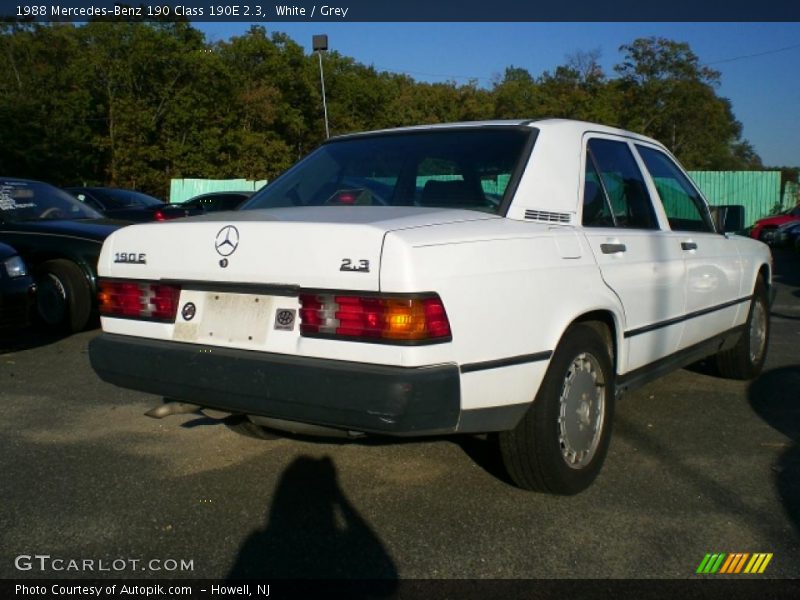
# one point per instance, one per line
(172, 407)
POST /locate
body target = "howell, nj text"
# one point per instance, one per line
(238, 590)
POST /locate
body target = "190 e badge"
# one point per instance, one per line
(134, 258)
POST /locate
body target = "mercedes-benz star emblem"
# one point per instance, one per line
(188, 311)
(227, 240)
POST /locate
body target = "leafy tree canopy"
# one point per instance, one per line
(136, 104)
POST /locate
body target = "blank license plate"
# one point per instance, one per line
(235, 318)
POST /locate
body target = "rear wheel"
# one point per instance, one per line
(560, 444)
(64, 298)
(746, 359)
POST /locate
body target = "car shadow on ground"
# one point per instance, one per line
(783, 316)
(787, 268)
(775, 397)
(483, 450)
(28, 338)
(312, 531)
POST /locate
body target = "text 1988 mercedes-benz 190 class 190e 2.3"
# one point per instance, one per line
(508, 277)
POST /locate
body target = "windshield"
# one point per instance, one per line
(34, 201)
(117, 198)
(448, 168)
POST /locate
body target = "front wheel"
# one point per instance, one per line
(560, 444)
(746, 359)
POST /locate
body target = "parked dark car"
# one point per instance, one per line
(60, 240)
(198, 205)
(118, 203)
(16, 289)
(788, 235)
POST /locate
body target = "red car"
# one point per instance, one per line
(765, 228)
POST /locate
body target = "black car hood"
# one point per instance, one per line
(6, 251)
(93, 229)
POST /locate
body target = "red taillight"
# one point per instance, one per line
(391, 318)
(159, 216)
(138, 300)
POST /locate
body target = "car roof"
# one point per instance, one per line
(99, 187)
(568, 126)
(220, 193)
(23, 180)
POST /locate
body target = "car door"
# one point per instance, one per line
(638, 261)
(713, 270)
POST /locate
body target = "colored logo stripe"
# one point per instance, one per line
(734, 563)
(758, 563)
(711, 563)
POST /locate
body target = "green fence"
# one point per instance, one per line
(183, 189)
(758, 191)
(791, 194)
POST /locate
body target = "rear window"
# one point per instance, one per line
(467, 168)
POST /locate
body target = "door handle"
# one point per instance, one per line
(688, 246)
(612, 248)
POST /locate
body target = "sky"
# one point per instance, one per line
(759, 62)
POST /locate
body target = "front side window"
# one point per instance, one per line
(449, 168)
(623, 184)
(684, 207)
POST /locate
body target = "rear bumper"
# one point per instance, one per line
(346, 395)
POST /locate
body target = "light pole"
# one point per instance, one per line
(320, 43)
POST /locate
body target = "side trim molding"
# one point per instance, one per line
(506, 362)
(681, 358)
(686, 317)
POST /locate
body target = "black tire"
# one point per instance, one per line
(63, 298)
(537, 452)
(746, 359)
(763, 234)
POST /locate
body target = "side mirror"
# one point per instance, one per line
(728, 218)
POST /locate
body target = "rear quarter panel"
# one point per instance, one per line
(508, 291)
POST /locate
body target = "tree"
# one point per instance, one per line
(667, 94)
(515, 95)
(137, 103)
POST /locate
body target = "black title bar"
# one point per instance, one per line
(418, 589)
(401, 11)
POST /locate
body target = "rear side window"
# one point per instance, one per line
(87, 199)
(685, 209)
(622, 184)
(596, 209)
